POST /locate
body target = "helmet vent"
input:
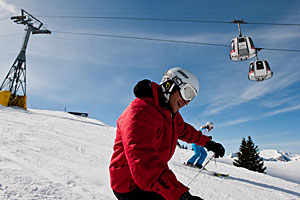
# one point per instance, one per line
(182, 73)
(177, 80)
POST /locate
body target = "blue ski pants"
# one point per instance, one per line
(200, 154)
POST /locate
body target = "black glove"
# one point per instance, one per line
(188, 196)
(210, 137)
(215, 147)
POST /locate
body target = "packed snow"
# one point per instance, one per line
(56, 155)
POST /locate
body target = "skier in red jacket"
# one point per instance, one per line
(146, 138)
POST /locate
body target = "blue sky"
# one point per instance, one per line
(97, 74)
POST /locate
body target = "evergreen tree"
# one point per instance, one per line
(248, 157)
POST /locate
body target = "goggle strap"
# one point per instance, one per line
(167, 89)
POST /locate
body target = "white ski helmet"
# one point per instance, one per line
(185, 80)
(209, 125)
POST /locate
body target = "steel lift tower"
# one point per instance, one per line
(15, 80)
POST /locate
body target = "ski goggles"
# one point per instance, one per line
(210, 126)
(187, 92)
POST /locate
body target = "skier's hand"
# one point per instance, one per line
(188, 196)
(215, 147)
(210, 137)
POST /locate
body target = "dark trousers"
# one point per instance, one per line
(138, 194)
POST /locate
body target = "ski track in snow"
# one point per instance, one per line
(55, 155)
(241, 184)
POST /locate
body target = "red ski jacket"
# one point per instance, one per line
(145, 141)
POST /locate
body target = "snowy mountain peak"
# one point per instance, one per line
(274, 155)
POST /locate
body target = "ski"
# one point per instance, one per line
(208, 171)
(220, 174)
(193, 166)
(215, 173)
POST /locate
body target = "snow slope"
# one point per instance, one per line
(55, 155)
(279, 164)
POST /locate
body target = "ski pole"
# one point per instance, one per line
(215, 161)
(213, 156)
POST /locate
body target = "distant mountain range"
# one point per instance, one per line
(275, 155)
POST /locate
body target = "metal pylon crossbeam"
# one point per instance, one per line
(15, 78)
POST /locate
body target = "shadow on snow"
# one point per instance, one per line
(265, 186)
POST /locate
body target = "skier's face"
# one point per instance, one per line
(177, 102)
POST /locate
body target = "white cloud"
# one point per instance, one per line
(283, 144)
(243, 120)
(276, 112)
(271, 135)
(234, 122)
(8, 7)
(273, 103)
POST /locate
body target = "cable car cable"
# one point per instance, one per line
(273, 49)
(276, 24)
(141, 38)
(3, 18)
(12, 34)
(164, 40)
(157, 39)
(137, 18)
(165, 19)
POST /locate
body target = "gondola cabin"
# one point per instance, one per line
(242, 48)
(259, 70)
